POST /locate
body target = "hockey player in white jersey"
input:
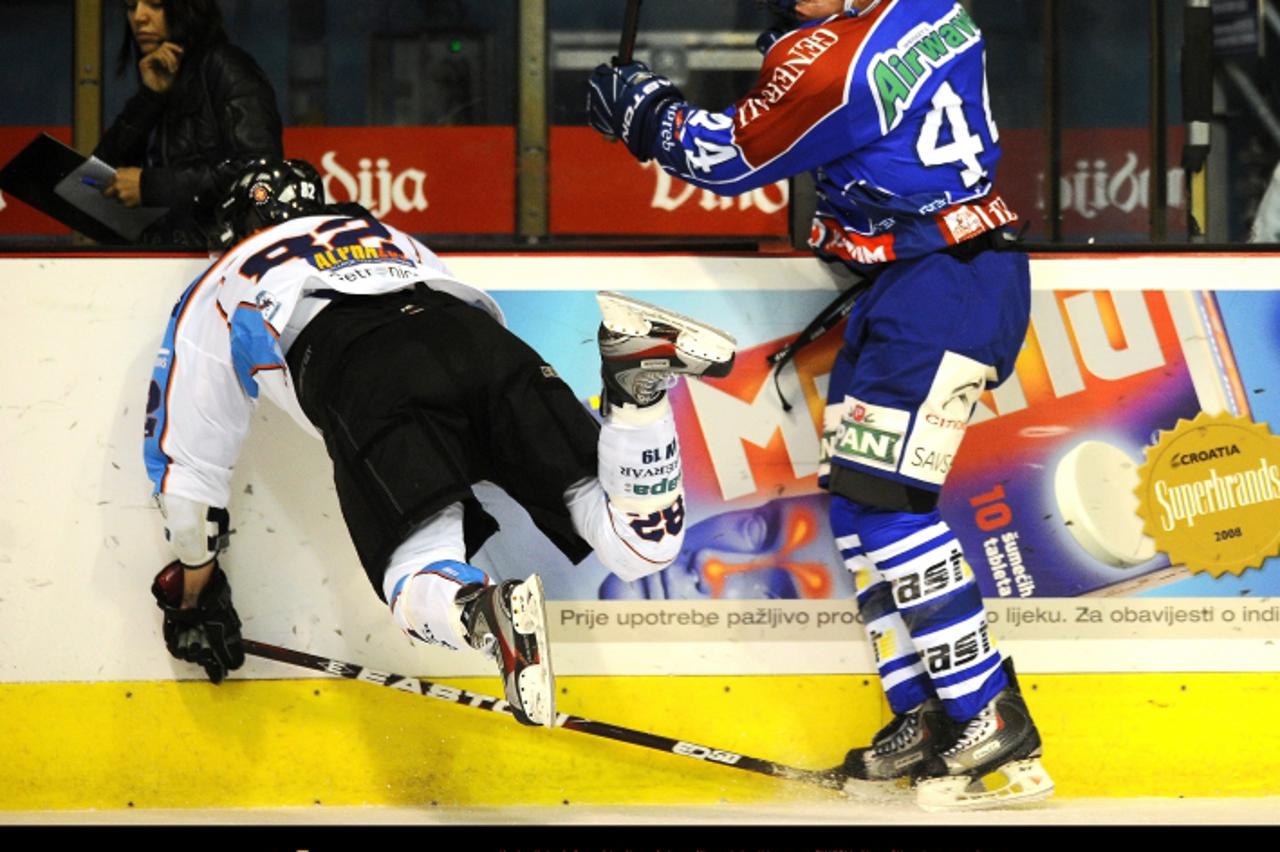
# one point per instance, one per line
(418, 391)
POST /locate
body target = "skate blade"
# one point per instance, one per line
(1016, 783)
(625, 315)
(872, 792)
(537, 694)
(536, 683)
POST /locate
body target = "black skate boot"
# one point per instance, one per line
(993, 761)
(643, 347)
(507, 622)
(902, 746)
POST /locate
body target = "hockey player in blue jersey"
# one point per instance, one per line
(886, 103)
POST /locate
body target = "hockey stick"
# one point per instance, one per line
(630, 24)
(830, 779)
(827, 319)
(627, 44)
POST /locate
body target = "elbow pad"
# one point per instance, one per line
(196, 532)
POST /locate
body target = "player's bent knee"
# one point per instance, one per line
(422, 601)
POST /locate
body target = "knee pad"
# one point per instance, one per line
(423, 602)
(639, 459)
(423, 577)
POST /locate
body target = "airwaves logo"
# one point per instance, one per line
(897, 75)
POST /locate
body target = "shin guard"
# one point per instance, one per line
(934, 593)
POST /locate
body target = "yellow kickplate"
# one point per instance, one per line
(251, 744)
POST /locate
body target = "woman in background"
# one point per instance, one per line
(202, 109)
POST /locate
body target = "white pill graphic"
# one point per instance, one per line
(1094, 485)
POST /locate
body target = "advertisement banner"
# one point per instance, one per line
(598, 188)
(424, 180)
(1040, 494)
(1159, 379)
(462, 180)
(1105, 181)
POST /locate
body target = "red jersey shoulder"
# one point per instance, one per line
(803, 80)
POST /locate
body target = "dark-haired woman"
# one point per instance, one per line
(203, 104)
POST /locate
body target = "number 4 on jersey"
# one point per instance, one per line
(964, 147)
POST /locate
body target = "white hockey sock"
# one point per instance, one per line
(423, 577)
(639, 458)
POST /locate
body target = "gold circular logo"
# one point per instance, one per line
(1209, 494)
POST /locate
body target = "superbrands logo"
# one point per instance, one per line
(1199, 456)
(375, 185)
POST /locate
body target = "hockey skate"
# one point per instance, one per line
(644, 347)
(900, 748)
(507, 622)
(994, 760)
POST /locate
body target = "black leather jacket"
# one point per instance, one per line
(220, 107)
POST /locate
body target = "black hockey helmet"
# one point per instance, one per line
(267, 192)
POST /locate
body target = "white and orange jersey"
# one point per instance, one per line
(225, 343)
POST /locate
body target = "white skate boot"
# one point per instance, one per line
(993, 762)
(507, 622)
(643, 347)
(900, 748)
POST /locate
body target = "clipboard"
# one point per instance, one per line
(38, 174)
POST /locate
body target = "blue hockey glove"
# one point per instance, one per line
(209, 634)
(626, 102)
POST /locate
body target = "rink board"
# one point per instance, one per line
(269, 743)
(100, 717)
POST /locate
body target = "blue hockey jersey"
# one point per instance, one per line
(890, 111)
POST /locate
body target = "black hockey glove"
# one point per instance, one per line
(207, 635)
(626, 101)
